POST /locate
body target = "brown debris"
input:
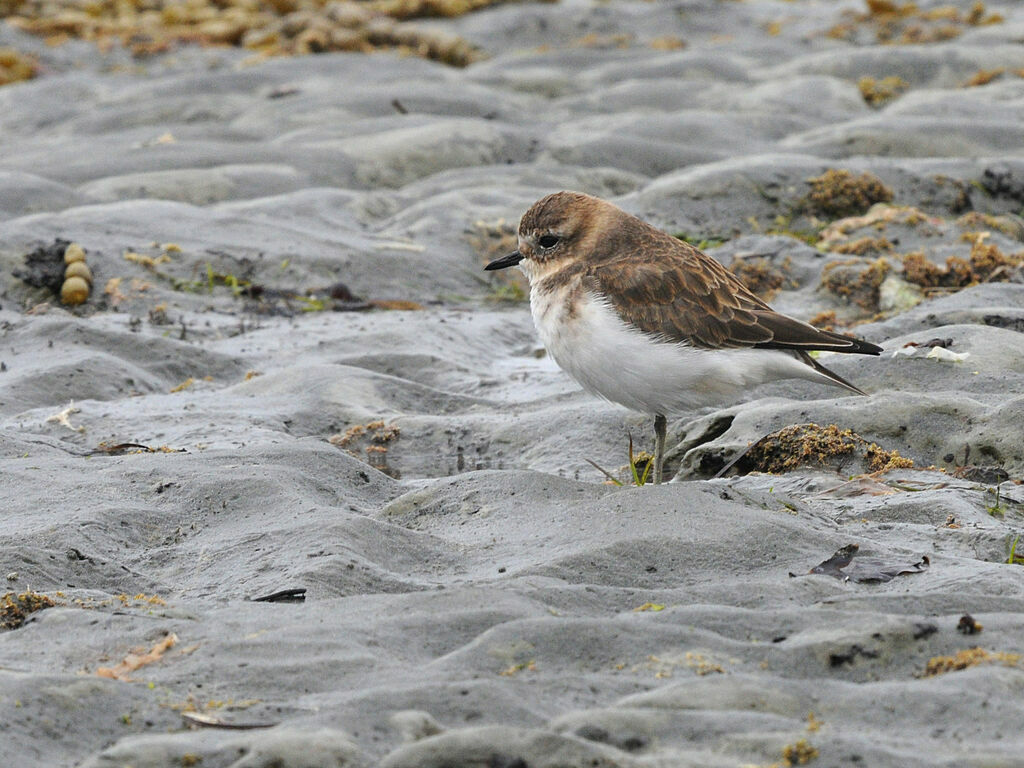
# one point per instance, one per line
(375, 438)
(843, 565)
(837, 193)
(809, 444)
(762, 276)
(970, 657)
(877, 93)
(826, 320)
(667, 43)
(863, 246)
(377, 432)
(985, 264)
(877, 218)
(893, 23)
(984, 77)
(968, 625)
(44, 266)
(269, 27)
(134, 661)
(15, 608)
(799, 753)
(397, 305)
(1007, 224)
(856, 281)
(122, 449)
(16, 66)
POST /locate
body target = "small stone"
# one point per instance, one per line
(74, 252)
(74, 291)
(414, 724)
(79, 269)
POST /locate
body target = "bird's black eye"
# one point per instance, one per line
(548, 241)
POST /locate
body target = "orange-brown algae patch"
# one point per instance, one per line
(270, 28)
(877, 218)
(826, 320)
(984, 77)
(986, 263)
(810, 444)
(15, 607)
(877, 93)
(893, 23)
(16, 66)
(863, 246)
(799, 753)
(838, 192)
(856, 282)
(970, 657)
(134, 661)
(763, 276)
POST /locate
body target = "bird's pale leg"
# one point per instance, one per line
(660, 425)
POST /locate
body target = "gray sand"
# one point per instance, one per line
(476, 594)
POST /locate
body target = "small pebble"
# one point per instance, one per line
(74, 291)
(74, 252)
(79, 269)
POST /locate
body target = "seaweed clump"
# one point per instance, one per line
(15, 608)
(838, 192)
(970, 657)
(863, 246)
(375, 438)
(877, 219)
(1007, 224)
(268, 27)
(15, 66)
(986, 76)
(809, 444)
(799, 753)
(762, 276)
(877, 93)
(891, 23)
(985, 264)
(44, 266)
(855, 281)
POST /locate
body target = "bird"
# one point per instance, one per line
(643, 319)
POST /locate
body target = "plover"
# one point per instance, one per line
(645, 320)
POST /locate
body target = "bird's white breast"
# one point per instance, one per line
(591, 342)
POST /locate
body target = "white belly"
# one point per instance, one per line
(619, 363)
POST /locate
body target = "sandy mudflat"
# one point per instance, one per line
(475, 593)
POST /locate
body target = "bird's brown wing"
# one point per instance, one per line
(686, 296)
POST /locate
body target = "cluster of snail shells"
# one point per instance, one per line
(77, 276)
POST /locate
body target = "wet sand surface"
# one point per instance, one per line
(291, 373)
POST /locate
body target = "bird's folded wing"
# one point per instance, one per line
(690, 298)
(789, 333)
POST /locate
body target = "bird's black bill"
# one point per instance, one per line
(505, 261)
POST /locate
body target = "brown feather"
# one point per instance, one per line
(686, 296)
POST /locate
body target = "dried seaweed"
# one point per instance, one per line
(837, 193)
(970, 657)
(809, 444)
(15, 607)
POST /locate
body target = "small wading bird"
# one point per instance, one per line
(646, 320)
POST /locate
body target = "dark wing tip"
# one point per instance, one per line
(789, 333)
